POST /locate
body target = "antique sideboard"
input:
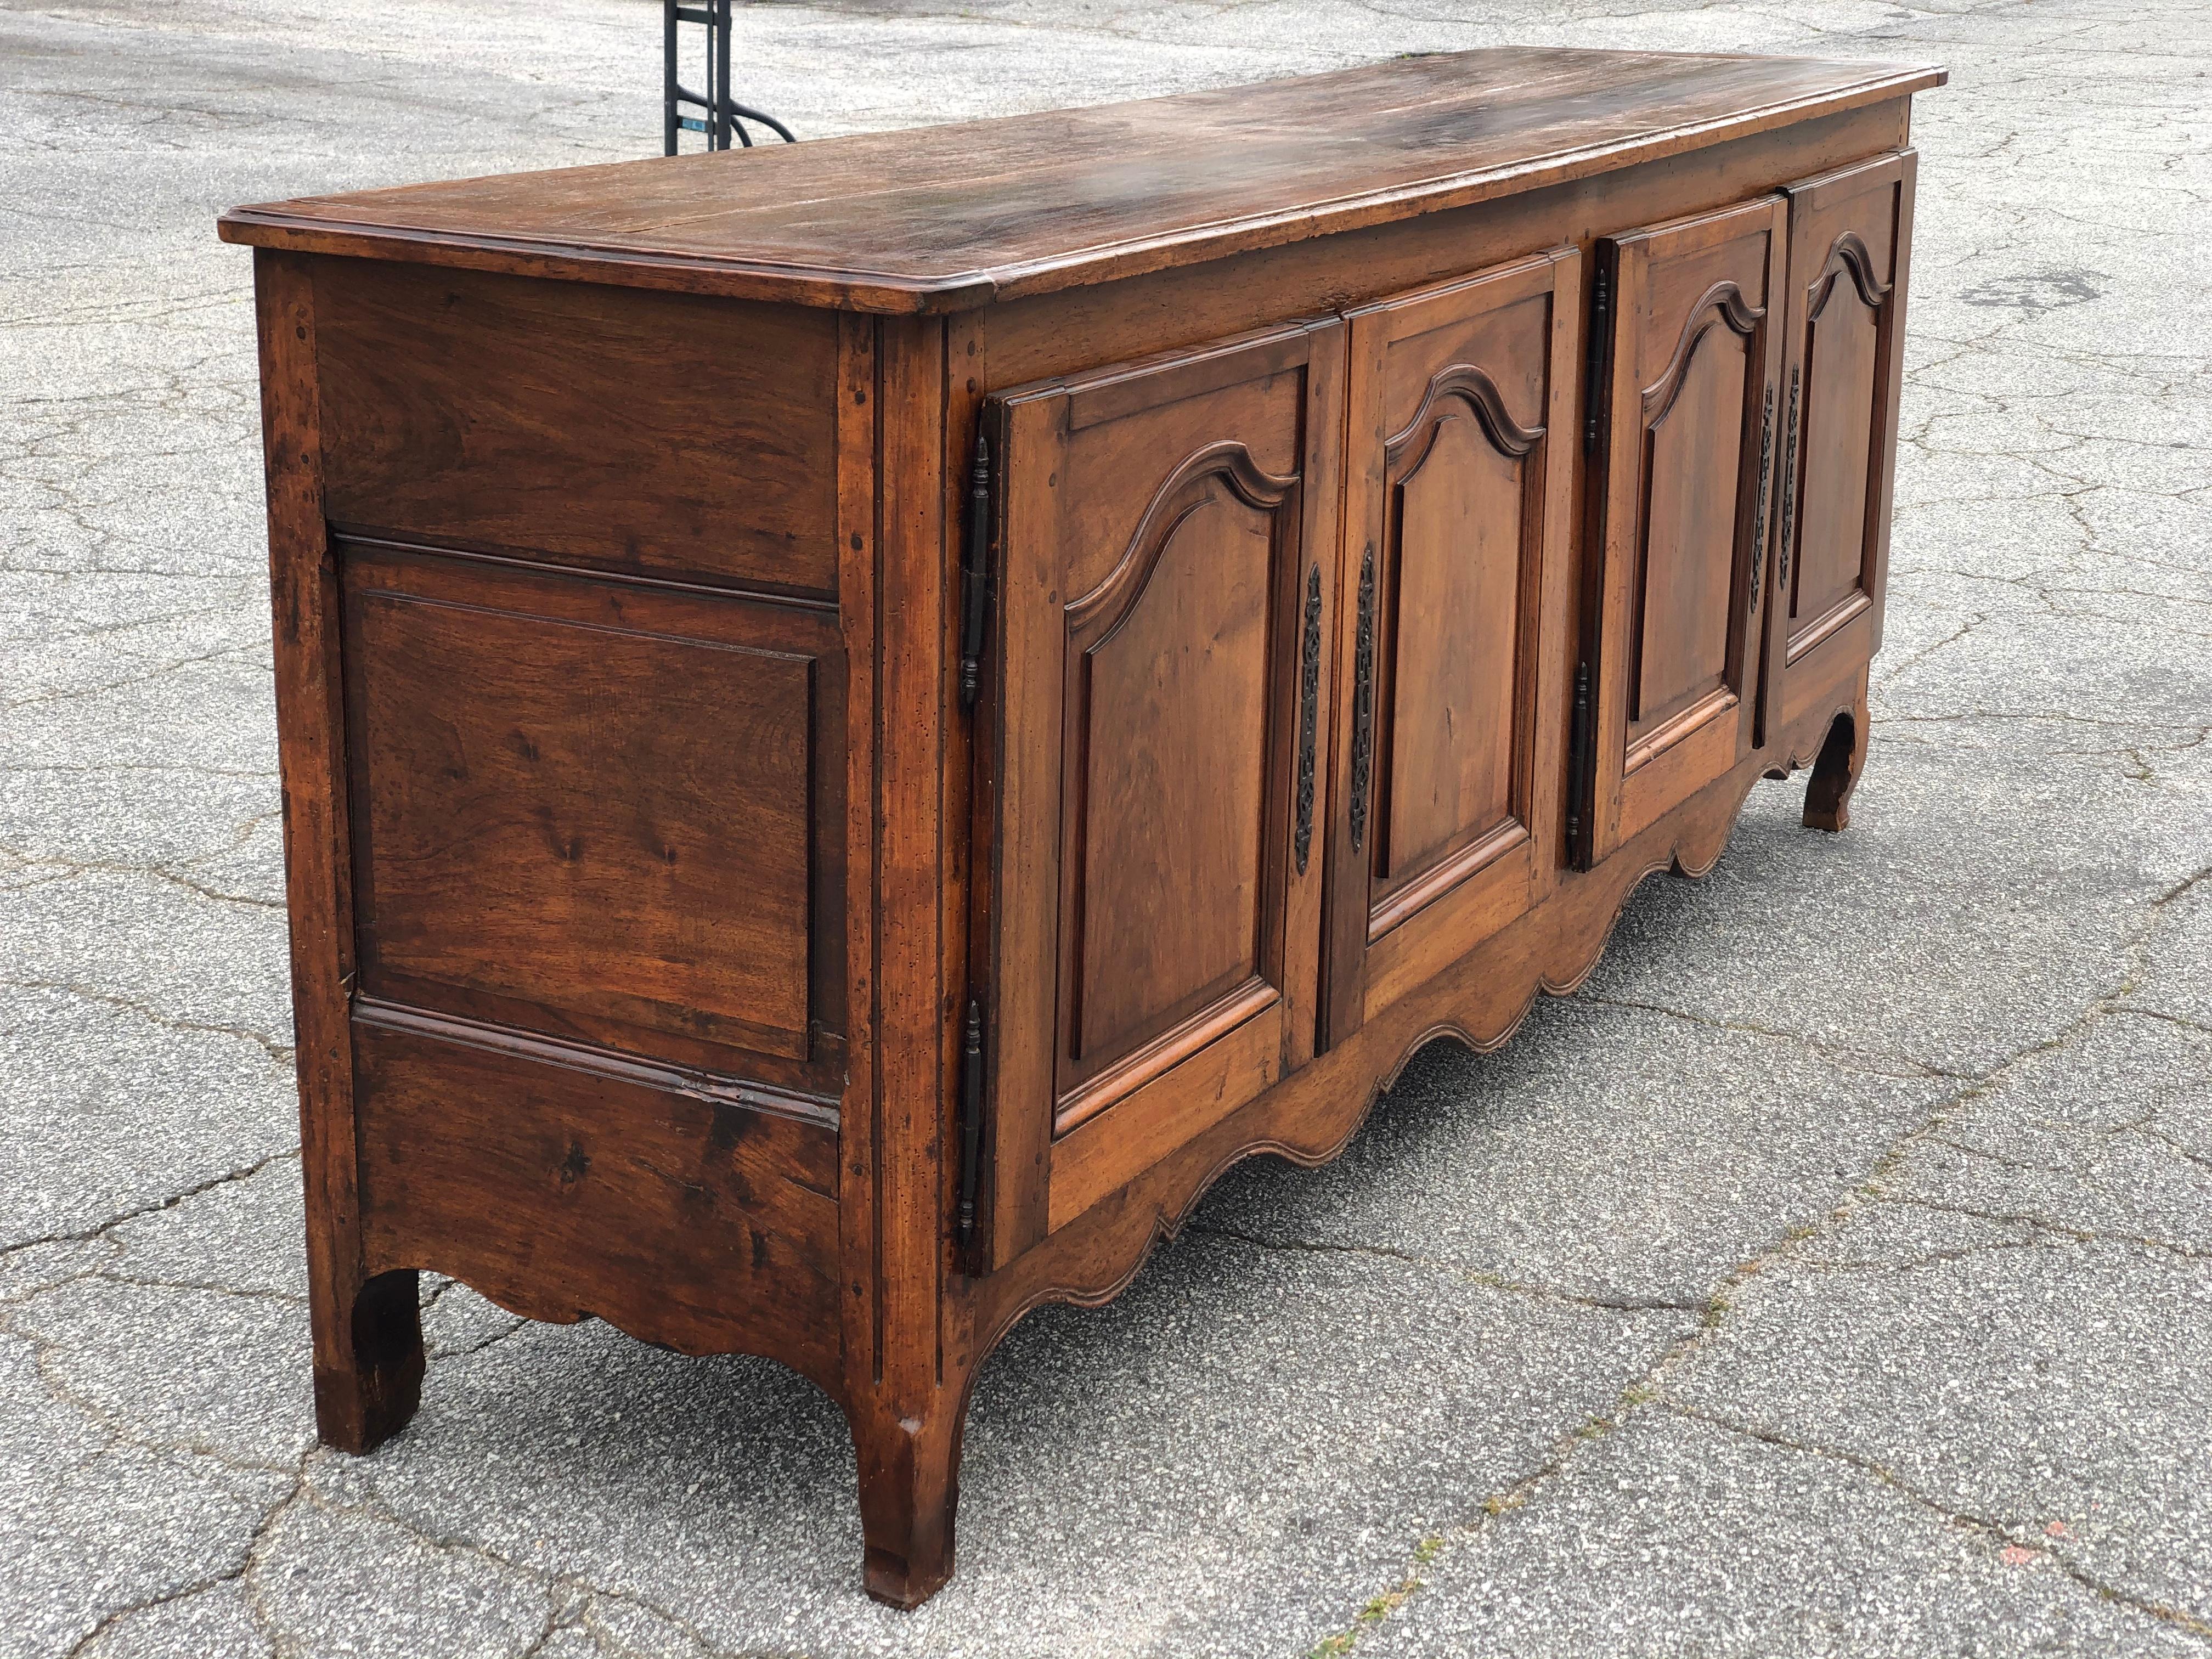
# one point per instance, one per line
(859, 720)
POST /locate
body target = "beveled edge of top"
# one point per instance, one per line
(299, 227)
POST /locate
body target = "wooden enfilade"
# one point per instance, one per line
(858, 720)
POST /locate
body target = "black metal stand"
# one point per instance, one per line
(720, 117)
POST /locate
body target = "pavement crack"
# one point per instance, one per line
(1989, 1529)
(155, 673)
(1648, 1388)
(282, 1052)
(575, 1584)
(2059, 1229)
(70, 867)
(2136, 1011)
(244, 1172)
(1450, 1270)
(1896, 1065)
(482, 1343)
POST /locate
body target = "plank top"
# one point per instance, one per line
(948, 217)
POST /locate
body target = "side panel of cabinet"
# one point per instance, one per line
(1688, 393)
(1163, 619)
(1445, 823)
(594, 811)
(1851, 236)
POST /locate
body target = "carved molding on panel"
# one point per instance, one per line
(1480, 392)
(1721, 304)
(1847, 256)
(1171, 503)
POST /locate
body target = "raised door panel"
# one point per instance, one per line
(1158, 718)
(1850, 245)
(1447, 745)
(1687, 372)
(1164, 805)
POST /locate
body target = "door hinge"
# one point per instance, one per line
(1581, 739)
(975, 573)
(971, 1118)
(1598, 355)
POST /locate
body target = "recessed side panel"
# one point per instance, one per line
(709, 1224)
(1451, 656)
(1169, 776)
(591, 809)
(1843, 340)
(1687, 566)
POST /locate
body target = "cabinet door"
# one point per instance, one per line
(1448, 746)
(1850, 241)
(1687, 373)
(1165, 603)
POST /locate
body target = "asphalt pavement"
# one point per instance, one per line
(1832, 1276)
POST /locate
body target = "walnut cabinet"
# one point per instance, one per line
(858, 721)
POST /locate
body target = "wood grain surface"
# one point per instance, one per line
(946, 218)
(648, 864)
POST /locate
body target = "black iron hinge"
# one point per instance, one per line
(1598, 355)
(1581, 741)
(971, 1118)
(976, 575)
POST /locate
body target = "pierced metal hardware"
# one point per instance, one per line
(971, 1118)
(1308, 716)
(976, 574)
(720, 117)
(1758, 512)
(1598, 356)
(1362, 698)
(1581, 738)
(1789, 489)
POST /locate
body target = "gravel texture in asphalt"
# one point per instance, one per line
(1832, 1276)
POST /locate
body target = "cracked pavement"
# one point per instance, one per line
(1834, 1276)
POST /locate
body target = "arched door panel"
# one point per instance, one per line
(1165, 547)
(1687, 352)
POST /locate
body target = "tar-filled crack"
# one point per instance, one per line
(1650, 1389)
(1450, 1270)
(100, 1229)
(1993, 1530)
(281, 1053)
(1850, 1058)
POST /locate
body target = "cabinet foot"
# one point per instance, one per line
(910, 1489)
(368, 1363)
(1836, 773)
